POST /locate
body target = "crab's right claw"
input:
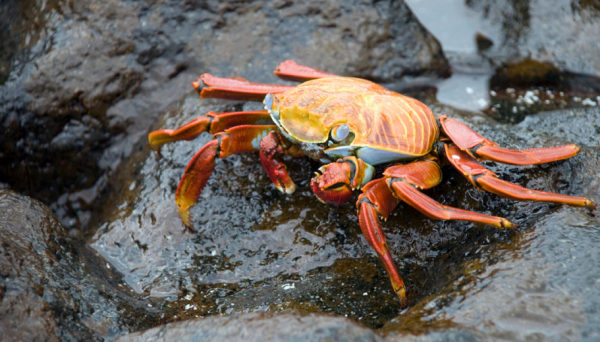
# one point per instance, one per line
(270, 149)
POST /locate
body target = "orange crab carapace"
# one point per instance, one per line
(351, 125)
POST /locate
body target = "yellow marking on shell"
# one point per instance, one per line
(432, 124)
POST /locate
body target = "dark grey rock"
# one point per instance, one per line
(50, 288)
(557, 32)
(259, 327)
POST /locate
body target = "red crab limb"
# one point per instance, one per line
(336, 181)
(487, 180)
(235, 140)
(235, 88)
(212, 123)
(532, 156)
(479, 147)
(378, 200)
(293, 71)
(404, 180)
(270, 149)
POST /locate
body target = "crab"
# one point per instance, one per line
(352, 125)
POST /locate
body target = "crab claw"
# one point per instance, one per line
(335, 194)
(332, 185)
(278, 174)
(335, 182)
(270, 149)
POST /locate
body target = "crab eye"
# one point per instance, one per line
(339, 133)
(268, 101)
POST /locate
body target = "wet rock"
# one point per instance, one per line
(513, 48)
(97, 78)
(557, 35)
(259, 327)
(51, 290)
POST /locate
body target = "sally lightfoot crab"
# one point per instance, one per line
(350, 125)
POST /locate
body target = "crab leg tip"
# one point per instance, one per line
(590, 204)
(185, 216)
(291, 189)
(287, 189)
(154, 144)
(403, 299)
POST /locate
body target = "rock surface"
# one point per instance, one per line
(559, 33)
(51, 289)
(256, 327)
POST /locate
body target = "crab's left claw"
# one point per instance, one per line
(334, 182)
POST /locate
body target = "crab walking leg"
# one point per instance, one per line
(292, 71)
(405, 180)
(334, 182)
(234, 140)
(375, 200)
(209, 86)
(479, 147)
(271, 146)
(211, 123)
(485, 179)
